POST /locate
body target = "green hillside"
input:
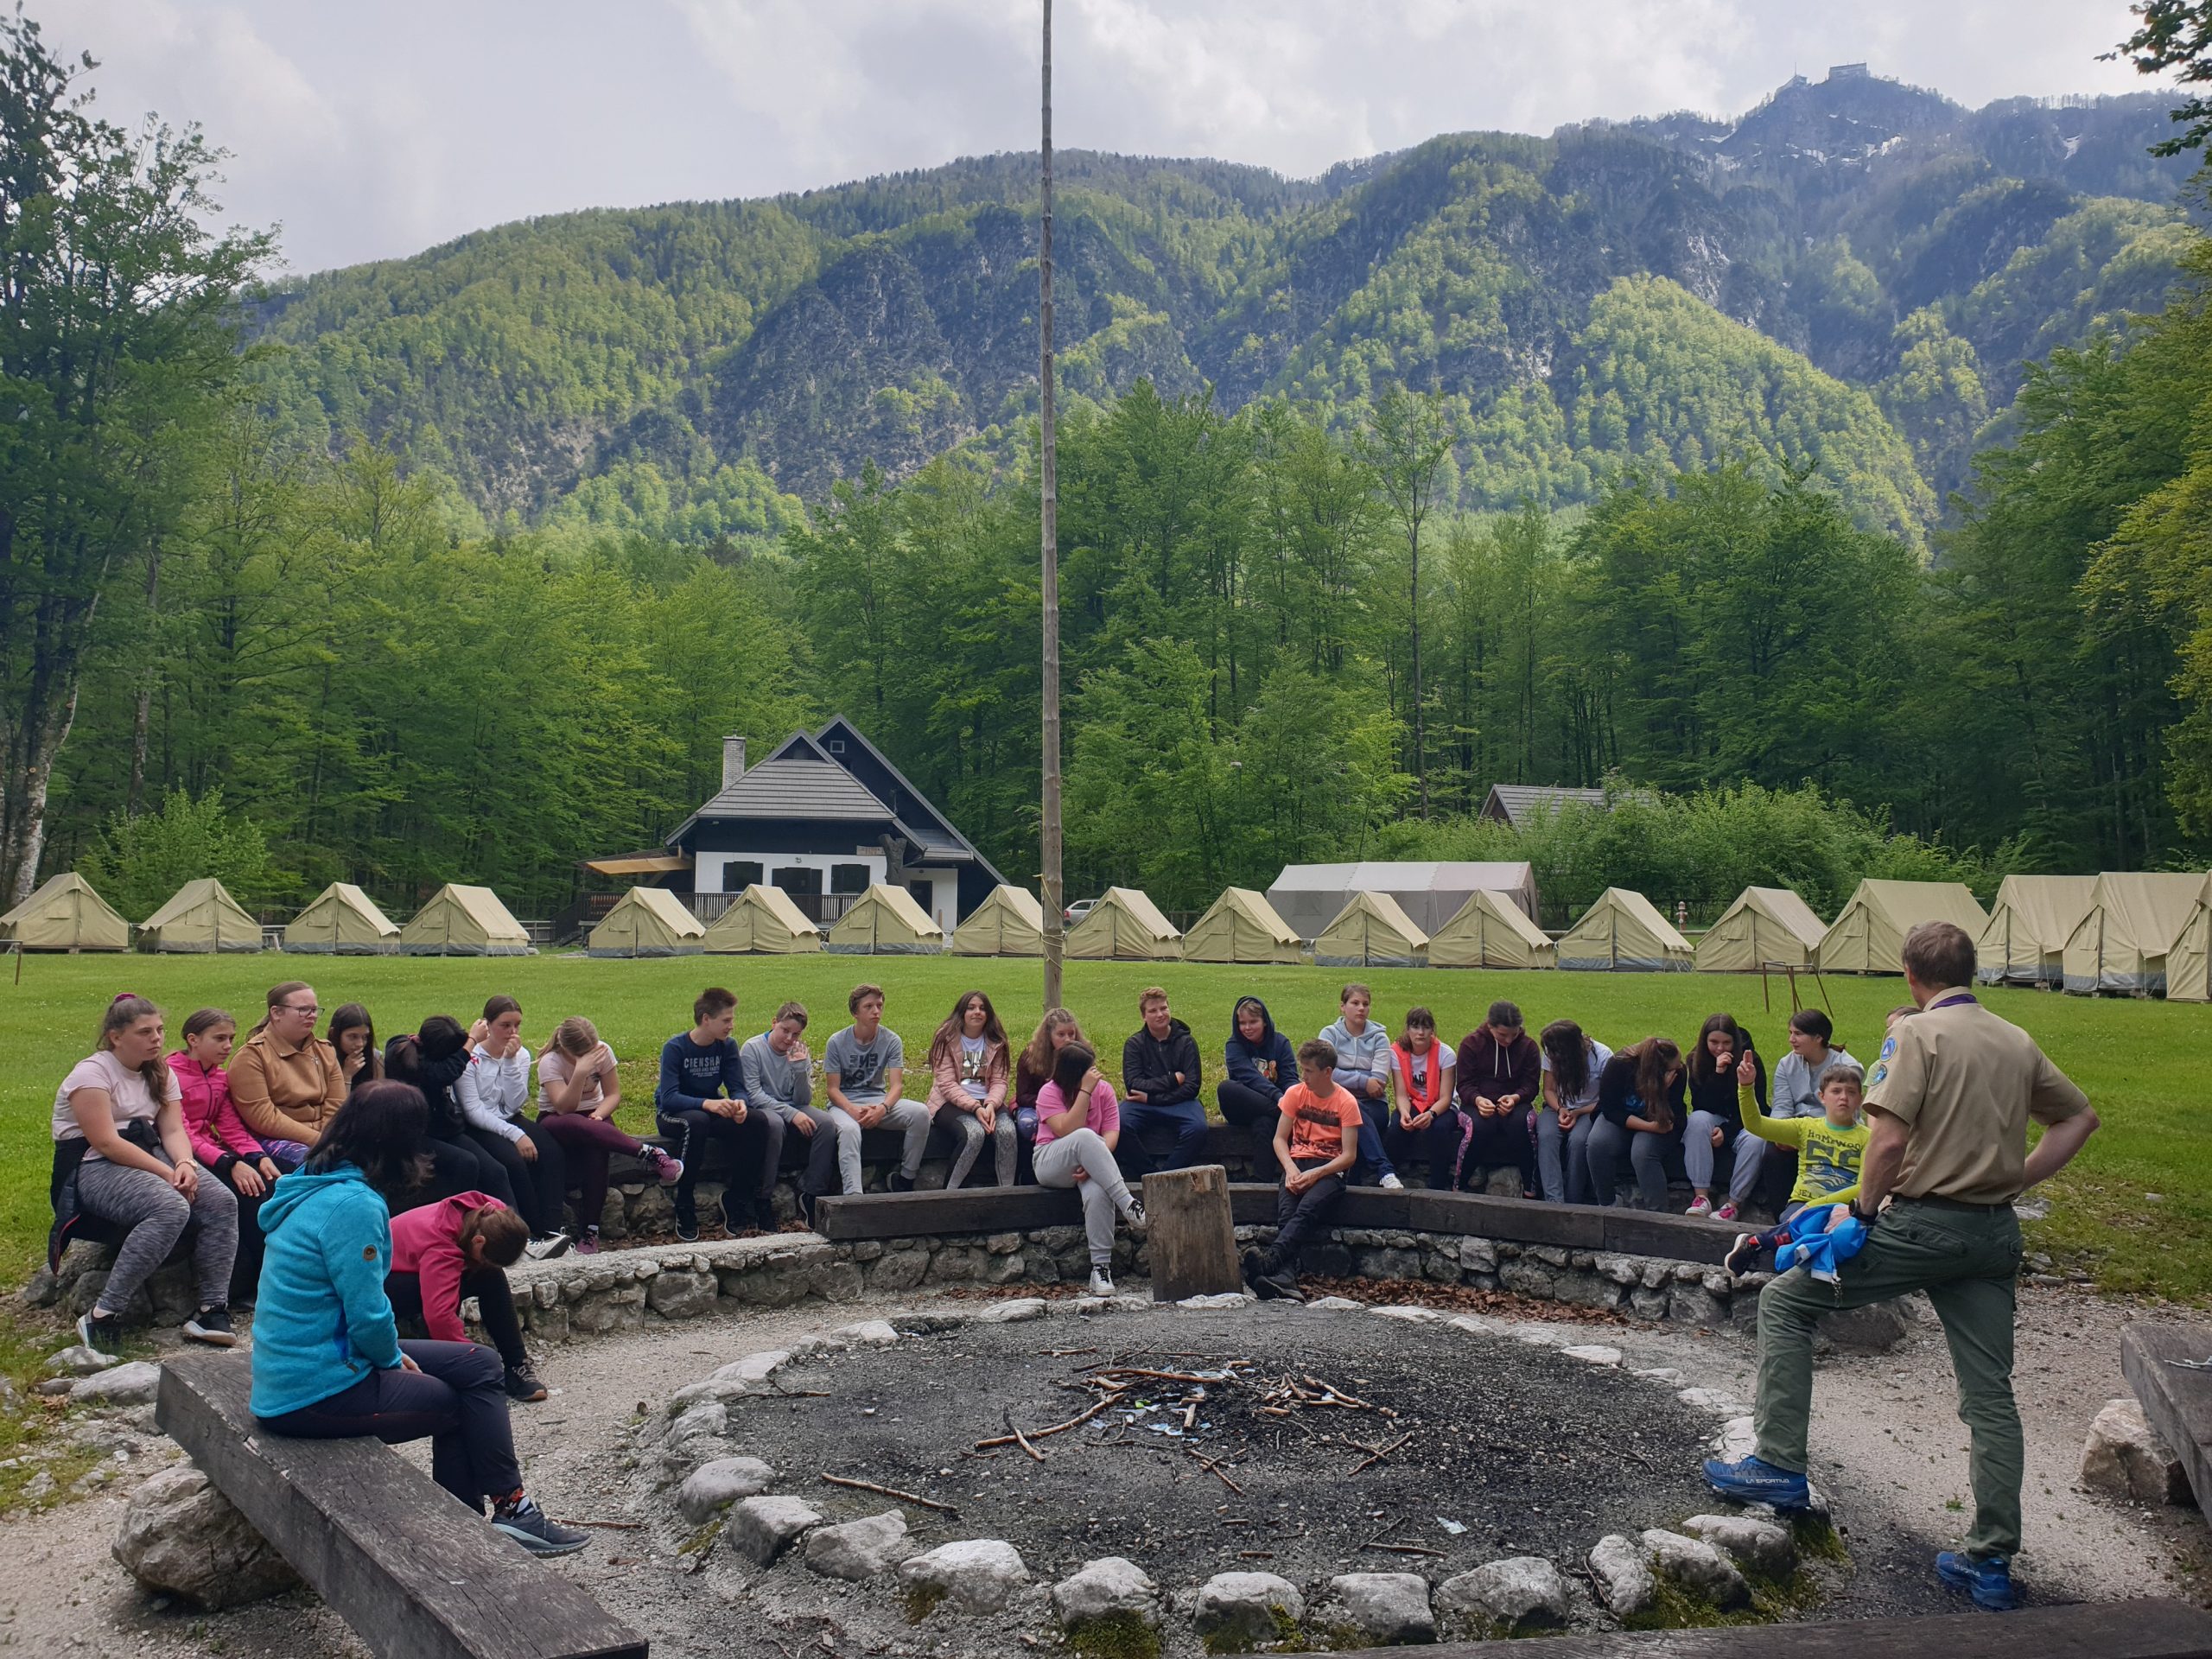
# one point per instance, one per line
(1854, 273)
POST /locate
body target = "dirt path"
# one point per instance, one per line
(1887, 1446)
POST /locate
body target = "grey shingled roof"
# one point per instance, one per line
(815, 789)
(1518, 802)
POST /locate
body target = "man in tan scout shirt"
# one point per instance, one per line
(1949, 1097)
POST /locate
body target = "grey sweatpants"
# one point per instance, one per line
(156, 1214)
(969, 1128)
(1103, 1193)
(909, 1117)
(1563, 1157)
(1699, 1154)
(1647, 1154)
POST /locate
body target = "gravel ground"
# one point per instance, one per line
(1887, 1448)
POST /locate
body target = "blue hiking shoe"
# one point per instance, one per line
(1752, 1481)
(1989, 1582)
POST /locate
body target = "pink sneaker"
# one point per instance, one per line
(1726, 1212)
(588, 1244)
(668, 1167)
(1701, 1207)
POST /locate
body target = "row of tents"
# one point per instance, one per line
(67, 914)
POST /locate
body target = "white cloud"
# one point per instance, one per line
(374, 130)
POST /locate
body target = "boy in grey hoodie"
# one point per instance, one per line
(1362, 1069)
(779, 1080)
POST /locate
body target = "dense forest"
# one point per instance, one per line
(1623, 457)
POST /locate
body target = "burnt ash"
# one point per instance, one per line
(1531, 1452)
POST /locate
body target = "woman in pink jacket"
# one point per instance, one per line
(969, 1064)
(221, 1142)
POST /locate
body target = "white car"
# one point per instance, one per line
(1076, 912)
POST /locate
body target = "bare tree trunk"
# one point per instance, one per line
(137, 797)
(1420, 743)
(1049, 496)
(31, 749)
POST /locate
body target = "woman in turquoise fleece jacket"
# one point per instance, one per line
(327, 1360)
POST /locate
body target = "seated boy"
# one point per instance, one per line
(1830, 1150)
(445, 1252)
(1317, 1141)
(779, 1079)
(864, 1073)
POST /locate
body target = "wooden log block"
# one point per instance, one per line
(409, 1568)
(1189, 1233)
(2177, 1402)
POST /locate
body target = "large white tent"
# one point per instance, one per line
(65, 914)
(2034, 916)
(459, 920)
(2133, 920)
(200, 915)
(762, 921)
(1310, 896)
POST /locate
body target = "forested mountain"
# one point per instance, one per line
(1855, 273)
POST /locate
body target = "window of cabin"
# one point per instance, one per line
(738, 874)
(849, 878)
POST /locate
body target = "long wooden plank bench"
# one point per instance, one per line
(1018, 1209)
(2122, 1629)
(412, 1570)
(2176, 1401)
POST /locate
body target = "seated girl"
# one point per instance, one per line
(445, 1252)
(1079, 1122)
(1425, 1114)
(968, 1075)
(1572, 1062)
(352, 1035)
(577, 1095)
(1033, 1069)
(432, 1060)
(220, 1141)
(492, 1092)
(1640, 1108)
(327, 1360)
(1714, 1123)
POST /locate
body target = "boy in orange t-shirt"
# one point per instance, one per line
(1317, 1141)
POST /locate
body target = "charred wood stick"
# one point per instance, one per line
(1214, 1470)
(612, 1526)
(1019, 1438)
(1405, 1549)
(1076, 1422)
(893, 1491)
(1157, 1376)
(1380, 1452)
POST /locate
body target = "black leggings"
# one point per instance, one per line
(1299, 1216)
(495, 1302)
(753, 1150)
(458, 1400)
(1438, 1145)
(457, 1167)
(540, 1186)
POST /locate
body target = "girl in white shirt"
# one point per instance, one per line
(493, 1093)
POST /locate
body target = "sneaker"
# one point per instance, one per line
(545, 1248)
(213, 1326)
(807, 1208)
(1726, 1212)
(1390, 1183)
(1102, 1282)
(588, 1244)
(687, 1224)
(1753, 1481)
(102, 1333)
(1280, 1286)
(1135, 1217)
(899, 1182)
(1743, 1255)
(764, 1215)
(523, 1383)
(1989, 1582)
(665, 1165)
(1699, 1206)
(535, 1530)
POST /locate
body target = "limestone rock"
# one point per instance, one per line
(1593, 1353)
(1336, 1305)
(1105, 1587)
(1220, 1298)
(977, 1575)
(1736, 1440)
(1719, 1402)
(858, 1550)
(1524, 1594)
(1758, 1546)
(2125, 1459)
(1474, 1325)
(77, 1360)
(1238, 1612)
(1386, 1608)
(868, 1333)
(181, 1536)
(1663, 1373)
(42, 1289)
(716, 1485)
(753, 1367)
(1874, 1329)
(134, 1384)
(1697, 1566)
(1411, 1315)
(682, 1295)
(761, 1529)
(1624, 1576)
(1015, 1312)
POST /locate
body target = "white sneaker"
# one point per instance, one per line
(1699, 1207)
(1135, 1217)
(1391, 1184)
(1101, 1283)
(545, 1248)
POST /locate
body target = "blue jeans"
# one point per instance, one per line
(1187, 1117)
(1373, 1161)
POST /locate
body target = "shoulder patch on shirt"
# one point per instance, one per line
(368, 1252)
(1889, 1048)
(1881, 1071)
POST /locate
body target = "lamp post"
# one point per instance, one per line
(1048, 495)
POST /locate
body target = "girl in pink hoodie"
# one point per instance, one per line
(453, 1248)
(221, 1142)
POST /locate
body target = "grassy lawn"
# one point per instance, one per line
(2135, 1211)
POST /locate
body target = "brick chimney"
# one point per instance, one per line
(733, 760)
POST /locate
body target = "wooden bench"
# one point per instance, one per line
(2176, 1403)
(2111, 1629)
(1019, 1209)
(412, 1570)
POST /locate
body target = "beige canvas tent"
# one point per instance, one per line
(2029, 925)
(1868, 934)
(2133, 918)
(885, 921)
(1624, 933)
(1371, 930)
(1240, 926)
(1490, 930)
(1008, 923)
(1125, 925)
(342, 921)
(2189, 964)
(647, 922)
(464, 921)
(1765, 925)
(199, 917)
(763, 921)
(65, 914)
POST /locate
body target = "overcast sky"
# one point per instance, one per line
(368, 131)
